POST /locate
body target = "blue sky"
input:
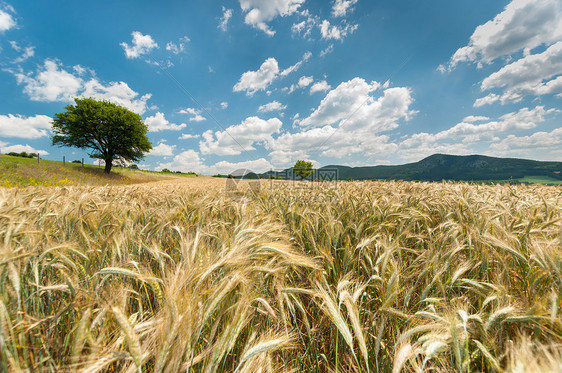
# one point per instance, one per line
(259, 84)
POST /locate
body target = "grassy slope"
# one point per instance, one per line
(22, 172)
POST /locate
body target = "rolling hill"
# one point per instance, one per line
(440, 167)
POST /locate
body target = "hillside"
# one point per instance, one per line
(23, 172)
(439, 167)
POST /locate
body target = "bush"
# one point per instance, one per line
(165, 170)
(77, 161)
(23, 154)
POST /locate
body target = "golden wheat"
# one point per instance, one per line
(364, 277)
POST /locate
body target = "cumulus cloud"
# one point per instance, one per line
(163, 150)
(224, 105)
(529, 75)
(195, 114)
(423, 144)
(25, 127)
(190, 160)
(351, 105)
(253, 81)
(241, 137)
(474, 118)
(272, 106)
(321, 86)
(7, 21)
(523, 24)
(486, 100)
(158, 122)
(259, 12)
(349, 120)
(187, 136)
(336, 32)
(304, 81)
(226, 15)
(141, 44)
(52, 83)
(341, 7)
(547, 143)
(23, 148)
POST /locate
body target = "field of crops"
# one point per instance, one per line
(188, 276)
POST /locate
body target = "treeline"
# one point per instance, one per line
(23, 154)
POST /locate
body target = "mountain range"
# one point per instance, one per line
(440, 167)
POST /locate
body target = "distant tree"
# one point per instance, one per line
(109, 130)
(77, 161)
(133, 166)
(165, 170)
(303, 169)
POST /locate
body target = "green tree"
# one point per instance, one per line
(303, 169)
(110, 131)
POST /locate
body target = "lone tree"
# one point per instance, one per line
(110, 131)
(303, 169)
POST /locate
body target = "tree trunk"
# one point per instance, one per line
(108, 164)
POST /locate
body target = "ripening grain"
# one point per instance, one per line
(364, 276)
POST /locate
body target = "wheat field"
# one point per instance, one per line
(186, 276)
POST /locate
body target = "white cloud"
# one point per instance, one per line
(486, 100)
(348, 121)
(241, 137)
(258, 12)
(224, 105)
(352, 106)
(304, 28)
(117, 92)
(187, 136)
(163, 150)
(335, 32)
(179, 47)
(196, 114)
(447, 141)
(474, 118)
(52, 83)
(328, 50)
(23, 148)
(321, 86)
(529, 75)
(142, 44)
(272, 106)
(158, 122)
(543, 142)
(253, 81)
(26, 52)
(6, 21)
(296, 66)
(258, 166)
(522, 24)
(341, 7)
(25, 127)
(305, 81)
(226, 15)
(190, 160)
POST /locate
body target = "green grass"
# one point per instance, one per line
(540, 180)
(24, 172)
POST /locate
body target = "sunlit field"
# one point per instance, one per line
(188, 275)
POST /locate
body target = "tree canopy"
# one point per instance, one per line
(303, 169)
(110, 131)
